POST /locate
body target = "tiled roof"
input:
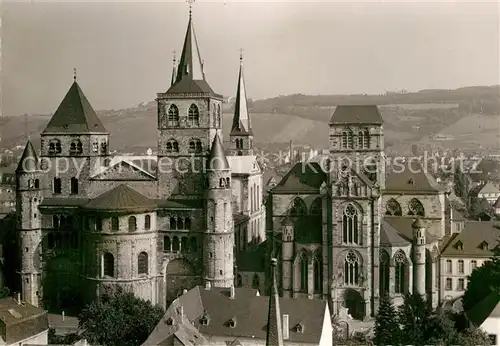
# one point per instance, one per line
(64, 202)
(250, 312)
(353, 114)
(302, 178)
(471, 238)
(403, 225)
(121, 198)
(389, 236)
(75, 114)
(489, 307)
(403, 180)
(29, 160)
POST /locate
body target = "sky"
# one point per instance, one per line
(123, 50)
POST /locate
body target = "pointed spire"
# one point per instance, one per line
(274, 328)
(217, 158)
(241, 119)
(29, 160)
(74, 75)
(190, 65)
(172, 82)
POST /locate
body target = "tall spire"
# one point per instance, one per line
(274, 327)
(173, 69)
(29, 161)
(190, 65)
(241, 119)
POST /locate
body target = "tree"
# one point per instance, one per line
(413, 315)
(120, 319)
(386, 324)
(461, 184)
(479, 207)
(68, 339)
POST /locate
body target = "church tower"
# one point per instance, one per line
(189, 116)
(419, 272)
(218, 241)
(241, 131)
(28, 197)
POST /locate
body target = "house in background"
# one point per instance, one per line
(486, 316)
(486, 190)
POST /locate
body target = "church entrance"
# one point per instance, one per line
(354, 303)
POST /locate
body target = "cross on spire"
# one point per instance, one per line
(74, 74)
(173, 53)
(241, 54)
(190, 3)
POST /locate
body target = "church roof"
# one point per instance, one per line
(472, 237)
(302, 178)
(403, 225)
(390, 236)
(217, 158)
(412, 180)
(29, 160)
(356, 114)
(121, 199)
(241, 119)
(75, 114)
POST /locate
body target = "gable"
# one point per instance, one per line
(126, 171)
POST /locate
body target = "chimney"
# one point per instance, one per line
(208, 285)
(286, 327)
(232, 292)
(18, 298)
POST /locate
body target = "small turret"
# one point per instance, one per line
(287, 247)
(418, 227)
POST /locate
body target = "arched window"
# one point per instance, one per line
(344, 140)
(239, 280)
(115, 225)
(350, 225)
(52, 148)
(166, 243)
(416, 208)
(318, 273)
(142, 263)
(195, 146)
(104, 147)
(37, 183)
(180, 223)
(175, 244)
(57, 185)
(74, 186)
(173, 223)
(298, 211)
(194, 245)
(370, 170)
(55, 147)
(393, 208)
(147, 222)
(221, 182)
(187, 223)
(108, 265)
(360, 139)
(173, 116)
(350, 140)
(172, 146)
(384, 270)
(132, 224)
(76, 147)
(303, 273)
(316, 213)
(193, 115)
(351, 269)
(184, 244)
(400, 261)
(366, 143)
(255, 281)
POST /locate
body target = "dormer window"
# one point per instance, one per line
(169, 322)
(484, 246)
(410, 181)
(232, 322)
(299, 328)
(204, 320)
(459, 245)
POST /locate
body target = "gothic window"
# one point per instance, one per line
(142, 263)
(187, 223)
(303, 273)
(350, 226)
(195, 146)
(351, 269)
(221, 182)
(415, 207)
(384, 270)
(239, 143)
(104, 147)
(147, 222)
(184, 244)
(115, 225)
(180, 223)
(108, 265)
(166, 243)
(55, 147)
(393, 208)
(239, 280)
(255, 281)
(175, 244)
(173, 116)
(366, 143)
(194, 245)
(344, 140)
(57, 185)
(318, 273)
(360, 139)
(172, 146)
(400, 260)
(193, 115)
(219, 118)
(132, 224)
(76, 147)
(173, 223)
(74, 186)
(37, 184)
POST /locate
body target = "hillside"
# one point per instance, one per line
(465, 117)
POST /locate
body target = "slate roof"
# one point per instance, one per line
(416, 182)
(75, 115)
(403, 225)
(390, 236)
(471, 238)
(64, 202)
(29, 160)
(302, 178)
(356, 114)
(217, 158)
(241, 119)
(488, 307)
(121, 198)
(250, 312)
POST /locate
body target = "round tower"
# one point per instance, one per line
(418, 257)
(219, 237)
(28, 197)
(287, 256)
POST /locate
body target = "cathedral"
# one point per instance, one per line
(90, 223)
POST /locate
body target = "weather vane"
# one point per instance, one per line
(173, 53)
(74, 74)
(190, 2)
(241, 54)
